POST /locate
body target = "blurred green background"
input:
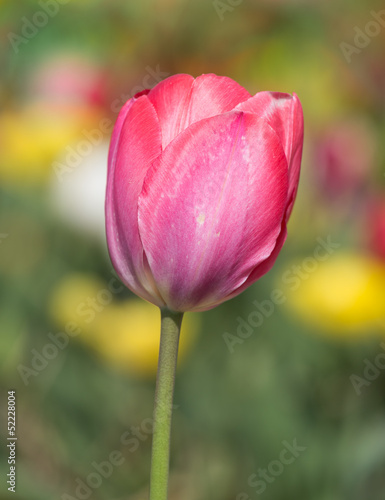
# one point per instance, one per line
(296, 360)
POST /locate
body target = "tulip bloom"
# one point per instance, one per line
(202, 178)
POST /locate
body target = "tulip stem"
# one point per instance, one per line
(169, 340)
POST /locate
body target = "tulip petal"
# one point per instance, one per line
(180, 101)
(136, 142)
(211, 208)
(263, 267)
(212, 95)
(283, 113)
(117, 131)
(170, 99)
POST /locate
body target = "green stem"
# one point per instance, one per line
(169, 339)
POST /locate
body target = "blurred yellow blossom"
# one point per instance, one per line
(124, 333)
(127, 334)
(344, 294)
(72, 301)
(31, 139)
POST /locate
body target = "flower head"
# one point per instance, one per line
(202, 178)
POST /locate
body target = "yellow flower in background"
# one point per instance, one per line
(74, 301)
(31, 139)
(345, 294)
(126, 335)
(123, 333)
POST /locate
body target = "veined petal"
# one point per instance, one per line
(135, 144)
(213, 95)
(116, 134)
(170, 99)
(296, 152)
(283, 113)
(180, 101)
(264, 266)
(211, 208)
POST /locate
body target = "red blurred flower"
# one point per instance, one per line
(344, 156)
(376, 226)
(71, 80)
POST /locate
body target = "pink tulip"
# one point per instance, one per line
(202, 178)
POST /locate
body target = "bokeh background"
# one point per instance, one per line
(256, 376)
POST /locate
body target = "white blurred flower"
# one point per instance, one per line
(78, 192)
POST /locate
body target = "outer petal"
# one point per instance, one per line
(211, 208)
(180, 101)
(263, 267)
(116, 134)
(284, 114)
(135, 143)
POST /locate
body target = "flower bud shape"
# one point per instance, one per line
(202, 178)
